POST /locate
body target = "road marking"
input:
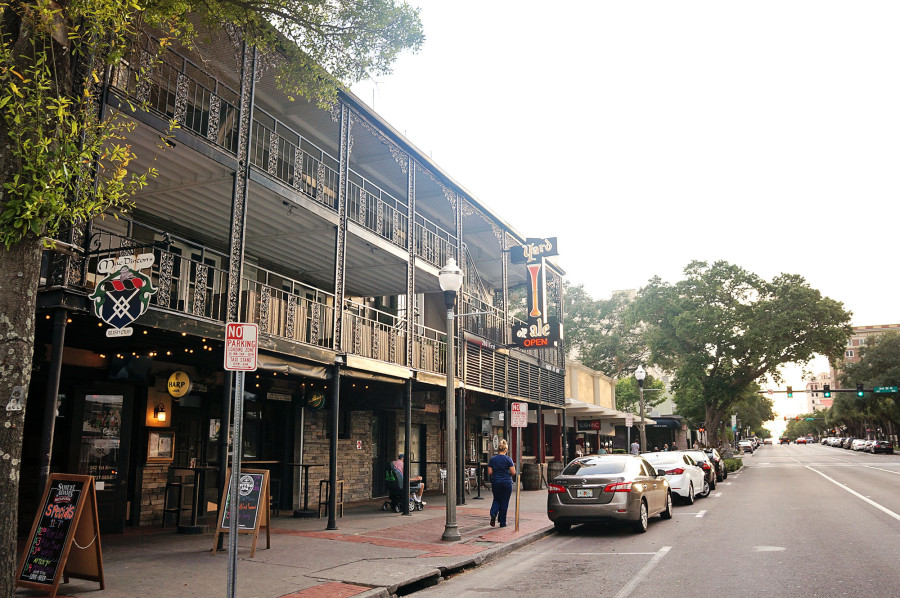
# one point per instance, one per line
(857, 494)
(727, 483)
(645, 570)
(701, 513)
(882, 469)
(717, 494)
(769, 548)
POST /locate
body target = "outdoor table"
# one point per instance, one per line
(305, 511)
(199, 480)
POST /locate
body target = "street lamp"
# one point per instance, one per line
(639, 375)
(450, 278)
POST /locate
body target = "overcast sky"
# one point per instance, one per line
(648, 134)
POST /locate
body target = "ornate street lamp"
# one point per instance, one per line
(639, 375)
(450, 278)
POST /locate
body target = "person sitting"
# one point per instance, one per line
(416, 485)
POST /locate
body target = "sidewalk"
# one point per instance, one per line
(372, 553)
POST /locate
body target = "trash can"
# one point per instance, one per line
(554, 468)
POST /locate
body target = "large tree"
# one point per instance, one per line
(602, 333)
(61, 165)
(723, 328)
(628, 394)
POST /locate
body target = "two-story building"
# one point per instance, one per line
(327, 229)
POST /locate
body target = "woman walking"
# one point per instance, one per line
(501, 471)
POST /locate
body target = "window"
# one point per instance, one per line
(848, 353)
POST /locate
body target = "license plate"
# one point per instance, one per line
(580, 493)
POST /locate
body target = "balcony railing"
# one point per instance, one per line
(372, 333)
(489, 324)
(429, 350)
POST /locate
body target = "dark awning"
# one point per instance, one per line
(666, 422)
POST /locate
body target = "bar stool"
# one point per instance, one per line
(275, 496)
(177, 488)
(323, 502)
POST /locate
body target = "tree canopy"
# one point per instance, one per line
(723, 328)
(628, 394)
(879, 365)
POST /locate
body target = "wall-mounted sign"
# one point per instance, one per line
(536, 335)
(316, 400)
(533, 250)
(179, 384)
(124, 295)
(588, 425)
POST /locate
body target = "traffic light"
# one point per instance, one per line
(826, 391)
(859, 390)
(790, 392)
(797, 417)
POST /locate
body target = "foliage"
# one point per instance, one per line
(722, 328)
(879, 365)
(733, 464)
(808, 424)
(628, 393)
(603, 333)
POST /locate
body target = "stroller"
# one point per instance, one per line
(394, 482)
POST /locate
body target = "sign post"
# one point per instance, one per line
(629, 421)
(241, 350)
(518, 419)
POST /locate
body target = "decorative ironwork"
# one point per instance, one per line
(400, 157)
(291, 317)
(272, 167)
(236, 252)
(181, 98)
(145, 78)
(212, 131)
(200, 290)
(265, 298)
(298, 169)
(392, 351)
(166, 264)
(379, 216)
(467, 209)
(340, 262)
(314, 328)
(320, 183)
(411, 262)
(376, 341)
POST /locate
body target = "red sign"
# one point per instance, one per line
(241, 347)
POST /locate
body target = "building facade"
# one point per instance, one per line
(325, 228)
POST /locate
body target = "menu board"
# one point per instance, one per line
(67, 519)
(250, 487)
(45, 551)
(253, 507)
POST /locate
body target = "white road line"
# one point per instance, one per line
(717, 494)
(645, 570)
(857, 494)
(727, 483)
(701, 513)
(882, 469)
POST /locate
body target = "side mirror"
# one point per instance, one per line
(661, 472)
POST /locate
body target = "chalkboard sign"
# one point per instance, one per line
(253, 507)
(250, 490)
(67, 517)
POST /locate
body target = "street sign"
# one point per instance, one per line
(518, 415)
(734, 421)
(629, 420)
(885, 389)
(241, 347)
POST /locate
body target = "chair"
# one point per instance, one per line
(443, 478)
(471, 478)
(182, 488)
(323, 497)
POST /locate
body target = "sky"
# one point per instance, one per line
(645, 135)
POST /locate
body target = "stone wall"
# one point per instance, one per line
(153, 493)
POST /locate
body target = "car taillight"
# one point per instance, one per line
(618, 487)
(705, 466)
(676, 471)
(555, 489)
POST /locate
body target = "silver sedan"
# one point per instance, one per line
(608, 488)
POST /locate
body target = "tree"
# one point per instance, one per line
(879, 365)
(723, 328)
(62, 165)
(628, 395)
(602, 332)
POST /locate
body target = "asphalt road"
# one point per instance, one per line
(810, 521)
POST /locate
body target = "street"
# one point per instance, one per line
(796, 521)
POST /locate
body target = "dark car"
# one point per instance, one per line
(721, 471)
(705, 463)
(882, 446)
(784, 440)
(608, 488)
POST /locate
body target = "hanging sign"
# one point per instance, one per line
(65, 536)
(124, 295)
(533, 250)
(179, 384)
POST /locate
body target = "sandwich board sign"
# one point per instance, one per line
(65, 537)
(253, 507)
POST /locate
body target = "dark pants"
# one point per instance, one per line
(501, 501)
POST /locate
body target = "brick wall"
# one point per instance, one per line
(153, 492)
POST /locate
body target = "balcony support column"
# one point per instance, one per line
(340, 239)
(411, 261)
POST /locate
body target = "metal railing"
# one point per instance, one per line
(429, 349)
(372, 333)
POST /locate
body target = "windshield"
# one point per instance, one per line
(595, 467)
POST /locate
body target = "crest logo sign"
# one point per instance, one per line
(124, 295)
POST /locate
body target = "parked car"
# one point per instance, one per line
(847, 442)
(608, 488)
(858, 444)
(745, 446)
(705, 463)
(721, 470)
(685, 477)
(882, 446)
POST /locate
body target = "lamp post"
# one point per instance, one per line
(639, 375)
(450, 278)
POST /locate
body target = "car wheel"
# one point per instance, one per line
(640, 526)
(690, 497)
(706, 489)
(561, 527)
(720, 476)
(386, 506)
(725, 475)
(712, 484)
(397, 508)
(667, 514)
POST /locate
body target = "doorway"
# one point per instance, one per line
(380, 455)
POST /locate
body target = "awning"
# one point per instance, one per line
(584, 410)
(271, 363)
(667, 422)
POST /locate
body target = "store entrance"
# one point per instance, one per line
(100, 447)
